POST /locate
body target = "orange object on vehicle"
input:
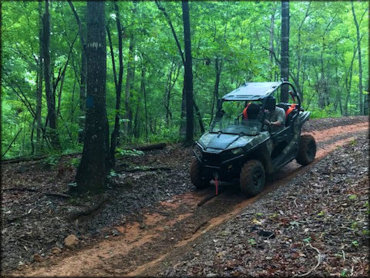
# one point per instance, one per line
(290, 109)
(245, 115)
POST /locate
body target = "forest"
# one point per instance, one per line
(157, 57)
(107, 165)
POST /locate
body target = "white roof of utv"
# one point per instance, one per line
(252, 91)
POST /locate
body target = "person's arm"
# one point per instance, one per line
(280, 118)
(279, 121)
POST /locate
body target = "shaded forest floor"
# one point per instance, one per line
(151, 207)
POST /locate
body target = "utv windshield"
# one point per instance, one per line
(232, 120)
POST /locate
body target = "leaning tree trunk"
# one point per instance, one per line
(284, 67)
(271, 42)
(218, 70)
(118, 84)
(129, 84)
(39, 85)
(94, 166)
(82, 35)
(188, 75)
(50, 95)
(361, 104)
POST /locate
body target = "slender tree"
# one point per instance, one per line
(92, 171)
(82, 35)
(118, 85)
(39, 83)
(50, 93)
(284, 66)
(188, 76)
(360, 88)
(187, 73)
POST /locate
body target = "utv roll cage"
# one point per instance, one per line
(259, 91)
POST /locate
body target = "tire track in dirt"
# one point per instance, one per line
(174, 224)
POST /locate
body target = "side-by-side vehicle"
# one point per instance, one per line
(246, 150)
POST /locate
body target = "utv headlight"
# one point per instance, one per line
(197, 151)
(237, 151)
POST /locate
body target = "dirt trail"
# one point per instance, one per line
(175, 223)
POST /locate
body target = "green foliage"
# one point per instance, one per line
(343, 273)
(327, 112)
(252, 242)
(352, 197)
(233, 35)
(112, 174)
(321, 213)
(52, 160)
(123, 152)
(74, 162)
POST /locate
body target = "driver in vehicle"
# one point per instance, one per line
(251, 111)
(275, 115)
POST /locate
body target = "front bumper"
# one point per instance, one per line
(225, 163)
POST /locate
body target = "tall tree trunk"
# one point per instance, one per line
(82, 103)
(218, 70)
(338, 95)
(284, 66)
(272, 49)
(297, 80)
(360, 88)
(349, 82)
(50, 95)
(171, 81)
(118, 83)
(129, 84)
(145, 100)
(39, 84)
(183, 114)
(94, 165)
(182, 129)
(188, 75)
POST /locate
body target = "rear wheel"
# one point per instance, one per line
(307, 150)
(196, 175)
(252, 178)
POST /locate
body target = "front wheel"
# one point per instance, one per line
(252, 178)
(307, 150)
(196, 176)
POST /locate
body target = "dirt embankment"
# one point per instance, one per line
(315, 225)
(150, 210)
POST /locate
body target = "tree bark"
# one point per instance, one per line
(360, 88)
(118, 83)
(297, 79)
(39, 84)
(188, 75)
(81, 33)
(50, 95)
(284, 67)
(171, 81)
(272, 36)
(349, 83)
(218, 70)
(94, 165)
(129, 84)
(145, 100)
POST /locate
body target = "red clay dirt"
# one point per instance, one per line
(174, 223)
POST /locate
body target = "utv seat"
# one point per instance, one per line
(290, 111)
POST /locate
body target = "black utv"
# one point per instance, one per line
(242, 145)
